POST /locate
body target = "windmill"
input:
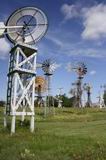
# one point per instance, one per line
(100, 100)
(73, 92)
(81, 70)
(101, 96)
(60, 97)
(40, 88)
(24, 28)
(48, 66)
(87, 87)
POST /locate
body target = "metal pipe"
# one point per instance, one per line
(11, 27)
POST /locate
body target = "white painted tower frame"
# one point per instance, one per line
(21, 83)
(24, 28)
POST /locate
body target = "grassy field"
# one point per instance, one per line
(72, 134)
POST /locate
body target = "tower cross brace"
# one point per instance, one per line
(21, 84)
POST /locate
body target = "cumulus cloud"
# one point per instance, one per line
(93, 72)
(70, 11)
(4, 48)
(93, 19)
(94, 22)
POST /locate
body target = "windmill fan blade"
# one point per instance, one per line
(49, 66)
(34, 25)
(81, 68)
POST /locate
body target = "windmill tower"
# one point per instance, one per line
(100, 100)
(81, 70)
(40, 88)
(23, 28)
(101, 96)
(60, 97)
(48, 67)
(73, 92)
(87, 87)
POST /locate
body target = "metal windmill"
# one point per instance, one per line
(103, 90)
(48, 66)
(101, 96)
(104, 95)
(60, 97)
(100, 100)
(25, 27)
(40, 88)
(73, 92)
(87, 87)
(81, 70)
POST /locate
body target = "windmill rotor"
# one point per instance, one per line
(81, 69)
(27, 24)
(49, 66)
(40, 84)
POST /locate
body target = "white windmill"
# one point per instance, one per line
(101, 96)
(48, 67)
(60, 97)
(24, 27)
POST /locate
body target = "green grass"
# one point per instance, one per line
(72, 134)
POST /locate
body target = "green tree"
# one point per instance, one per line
(2, 103)
(67, 102)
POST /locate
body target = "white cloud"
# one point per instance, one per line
(94, 19)
(93, 72)
(70, 11)
(65, 46)
(4, 48)
(94, 22)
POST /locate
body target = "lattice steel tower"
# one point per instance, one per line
(81, 70)
(48, 66)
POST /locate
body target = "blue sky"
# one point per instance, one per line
(76, 32)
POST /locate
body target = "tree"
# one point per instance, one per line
(67, 102)
(2, 103)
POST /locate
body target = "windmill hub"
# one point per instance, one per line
(27, 28)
